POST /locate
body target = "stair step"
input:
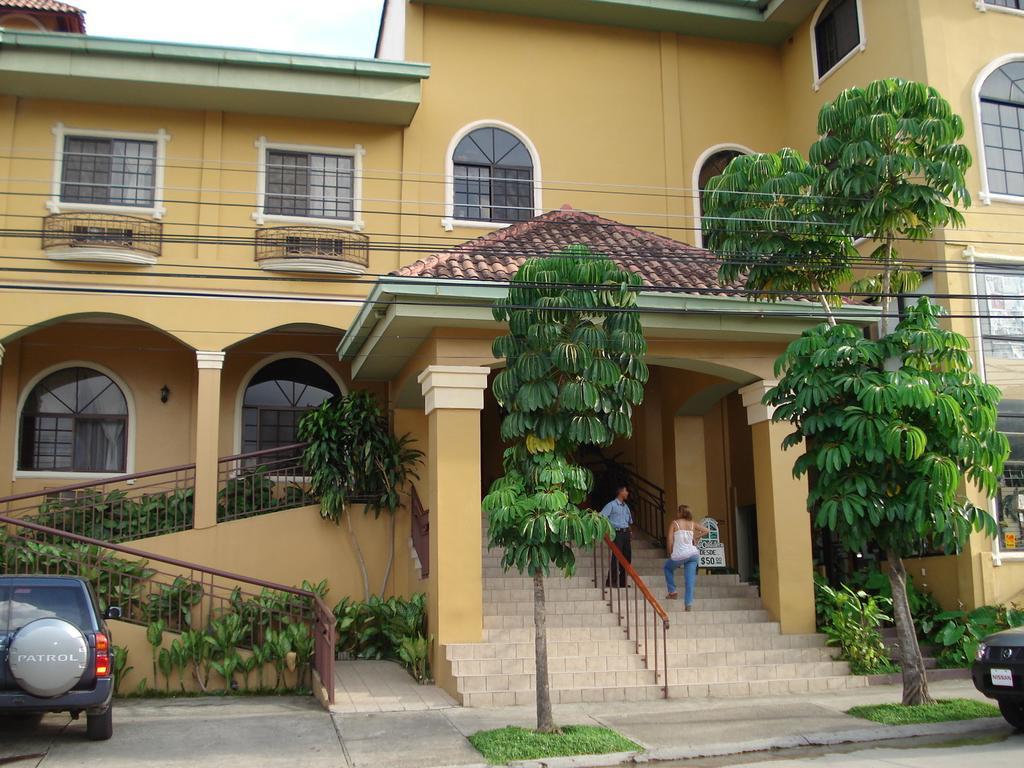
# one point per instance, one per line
(757, 688)
(524, 649)
(753, 658)
(594, 604)
(625, 662)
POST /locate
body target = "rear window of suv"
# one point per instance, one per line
(21, 604)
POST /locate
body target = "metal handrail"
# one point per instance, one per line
(655, 619)
(324, 625)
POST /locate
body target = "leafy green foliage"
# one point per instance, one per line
(352, 455)
(851, 620)
(892, 168)
(172, 603)
(889, 448)
(120, 667)
(766, 220)
(958, 633)
(888, 166)
(381, 629)
(574, 372)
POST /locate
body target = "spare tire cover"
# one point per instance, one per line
(48, 657)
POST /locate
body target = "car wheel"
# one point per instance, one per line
(1013, 713)
(100, 727)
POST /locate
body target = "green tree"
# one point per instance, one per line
(891, 170)
(889, 446)
(574, 373)
(888, 167)
(767, 223)
(352, 455)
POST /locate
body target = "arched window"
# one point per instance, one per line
(74, 420)
(1002, 128)
(277, 397)
(837, 33)
(492, 175)
(713, 166)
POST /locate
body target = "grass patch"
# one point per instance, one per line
(503, 745)
(942, 711)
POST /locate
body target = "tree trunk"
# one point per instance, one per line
(359, 554)
(545, 720)
(915, 679)
(391, 555)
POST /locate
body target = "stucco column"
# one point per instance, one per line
(454, 397)
(783, 523)
(207, 437)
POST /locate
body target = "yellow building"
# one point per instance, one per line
(198, 243)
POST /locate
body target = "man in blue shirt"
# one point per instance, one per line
(621, 518)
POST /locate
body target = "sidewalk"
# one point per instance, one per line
(668, 730)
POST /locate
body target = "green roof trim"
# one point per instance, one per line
(417, 304)
(767, 22)
(146, 73)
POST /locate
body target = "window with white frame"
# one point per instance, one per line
(493, 177)
(837, 34)
(108, 170)
(713, 166)
(1002, 335)
(299, 183)
(1002, 129)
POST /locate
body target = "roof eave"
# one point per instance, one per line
(142, 73)
(435, 301)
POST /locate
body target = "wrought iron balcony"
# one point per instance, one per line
(102, 237)
(312, 249)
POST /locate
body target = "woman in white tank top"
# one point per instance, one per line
(682, 537)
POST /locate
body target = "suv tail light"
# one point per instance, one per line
(102, 655)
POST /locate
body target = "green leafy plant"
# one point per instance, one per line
(890, 445)
(165, 661)
(851, 621)
(574, 372)
(119, 668)
(179, 660)
(414, 651)
(155, 638)
(173, 603)
(223, 636)
(351, 455)
(196, 653)
(958, 633)
(246, 664)
(278, 643)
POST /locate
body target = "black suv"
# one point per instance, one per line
(998, 672)
(55, 651)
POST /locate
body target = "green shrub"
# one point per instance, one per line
(379, 629)
(851, 620)
(958, 633)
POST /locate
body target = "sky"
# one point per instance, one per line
(331, 27)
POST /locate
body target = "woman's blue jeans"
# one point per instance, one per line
(689, 572)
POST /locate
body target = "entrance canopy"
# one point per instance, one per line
(454, 289)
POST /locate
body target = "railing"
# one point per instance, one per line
(276, 244)
(184, 595)
(119, 508)
(420, 522)
(102, 230)
(271, 480)
(161, 501)
(637, 609)
(646, 499)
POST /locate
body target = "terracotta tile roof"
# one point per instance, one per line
(660, 261)
(40, 5)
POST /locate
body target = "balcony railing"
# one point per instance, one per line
(102, 237)
(312, 249)
(161, 501)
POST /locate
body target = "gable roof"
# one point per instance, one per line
(661, 262)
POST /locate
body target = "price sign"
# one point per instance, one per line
(712, 550)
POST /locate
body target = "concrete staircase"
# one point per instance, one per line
(727, 646)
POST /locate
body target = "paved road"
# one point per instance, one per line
(184, 733)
